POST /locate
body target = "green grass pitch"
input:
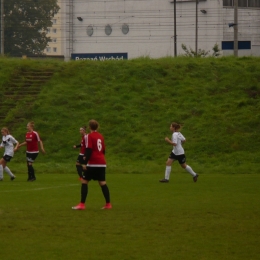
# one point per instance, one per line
(216, 218)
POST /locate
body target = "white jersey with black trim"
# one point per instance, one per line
(177, 138)
(8, 142)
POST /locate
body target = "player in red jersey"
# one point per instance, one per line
(96, 165)
(81, 158)
(32, 139)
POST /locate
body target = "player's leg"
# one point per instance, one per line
(31, 172)
(190, 171)
(79, 167)
(29, 168)
(8, 171)
(1, 172)
(2, 166)
(28, 171)
(101, 173)
(6, 159)
(84, 190)
(168, 168)
(30, 160)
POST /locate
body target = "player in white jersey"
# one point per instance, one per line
(8, 142)
(177, 153)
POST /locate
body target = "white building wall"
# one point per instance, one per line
(151, 27)
(248, 29)
(209, 31)
(56, 33)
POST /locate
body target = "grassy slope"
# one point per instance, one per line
(216, 100)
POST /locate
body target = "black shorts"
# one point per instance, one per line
(180, 158)
(80, 160)
(7, 158)
(95, 173)
(31, 157)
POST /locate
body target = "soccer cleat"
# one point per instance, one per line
(164, 180)
(1, 179)
(195, 178)
(12, 178)
(32, 179)
(107, 206)
(80, 206)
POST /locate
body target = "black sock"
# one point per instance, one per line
(30, 172)
(84, 192)
(79, 170)
(106, 193)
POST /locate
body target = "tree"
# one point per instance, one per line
(192, 53)
(216, 50)
(201, 53)
(26, 23)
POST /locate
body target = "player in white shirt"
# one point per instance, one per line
(177, 153)
(8, 142)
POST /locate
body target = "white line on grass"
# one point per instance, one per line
(44, 188)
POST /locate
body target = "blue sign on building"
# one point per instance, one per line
(99, 56)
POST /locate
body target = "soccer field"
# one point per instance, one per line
(216, 218)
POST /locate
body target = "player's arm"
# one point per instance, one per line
(41, 145)
(87, 154)
(77, 146)
(17, 146)
(170, 142)
(21, 144)
(14, 141)
(88, 150)
(183, 139)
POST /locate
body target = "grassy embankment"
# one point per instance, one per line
(216, 100)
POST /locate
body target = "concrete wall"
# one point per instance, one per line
(151, 27)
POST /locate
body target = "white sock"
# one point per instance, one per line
(8, 171)
(168, 172)
(1, 172)
(189, 170)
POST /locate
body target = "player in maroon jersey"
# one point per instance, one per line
(32, 139)
(81, 158)
(96, 165)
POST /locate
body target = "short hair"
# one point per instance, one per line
(31, 124)
(176, 125)
(93, 124)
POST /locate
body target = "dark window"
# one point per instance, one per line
(242, 45)
(253, 3)
(227, 2)
(242, 3)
